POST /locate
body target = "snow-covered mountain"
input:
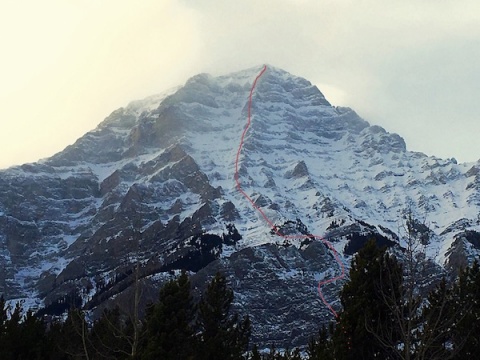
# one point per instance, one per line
(155, 182)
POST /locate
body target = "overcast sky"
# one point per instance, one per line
(410, 66)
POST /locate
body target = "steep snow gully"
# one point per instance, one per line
(269, 222)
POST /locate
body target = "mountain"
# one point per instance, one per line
(154, 184)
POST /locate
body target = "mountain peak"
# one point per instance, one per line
(167, 165)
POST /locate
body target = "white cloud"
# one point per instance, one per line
(408, 65)
(69, 64)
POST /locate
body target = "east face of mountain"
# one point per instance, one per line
(154, 183)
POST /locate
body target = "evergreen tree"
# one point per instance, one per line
(436, 332)
(222, 335)
(55, 338)
(33, 339)
(467, 303)
(321, 347)
(21, 337)
(109, 336)
(12, 333)
(368, 298)
(169, 333)
(255, 354)
(72, 337)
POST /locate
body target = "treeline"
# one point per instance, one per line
(176, 327)
(386, 315)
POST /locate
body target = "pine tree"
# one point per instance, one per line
(368, 299)
(321, 347)
(72, 337)
(255, 354)
(3, 317)
(436, 332)
(21, 337)
(55, 338)
(11, 331)
(169, 333)
(222, 335)
(34, 341)
(108, 336)
(467, 303)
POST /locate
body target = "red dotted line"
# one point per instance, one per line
(269, 222)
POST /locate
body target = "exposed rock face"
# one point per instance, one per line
(154, 183)
(229, 212)
(300, 170)
(286, 294)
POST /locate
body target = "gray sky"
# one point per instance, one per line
(407, 65)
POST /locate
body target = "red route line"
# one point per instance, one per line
(269, 222)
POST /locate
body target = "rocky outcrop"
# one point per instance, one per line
(275, 286)
(300, 170)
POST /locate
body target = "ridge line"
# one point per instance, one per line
(268, 221)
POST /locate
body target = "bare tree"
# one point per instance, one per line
(136, 301)
(130, 328)
(76, 322)
(124, 330)
(417, 333)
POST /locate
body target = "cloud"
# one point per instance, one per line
(69, 64)
(408, 65)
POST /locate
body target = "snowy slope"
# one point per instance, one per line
(163, 167)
